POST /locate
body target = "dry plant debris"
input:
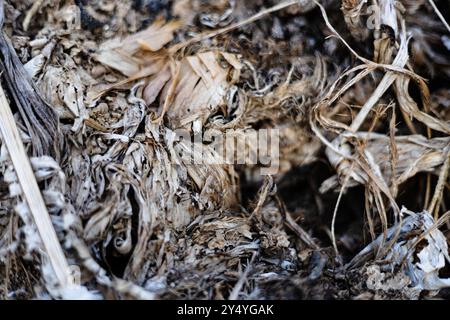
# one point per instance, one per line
(100, 198)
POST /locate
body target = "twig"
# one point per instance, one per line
(333, 221)
(386, 82)
(31, 192)
(263, 193)
(437, 197)
(237, 288)
(439, 14)
(303, 235)
(445, 217)
(34, 8)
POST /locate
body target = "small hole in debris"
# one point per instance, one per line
(116, 262)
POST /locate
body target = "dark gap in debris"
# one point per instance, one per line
(153, 9)
(117, 261)
(87, 21)
(419, 247)
(412, 192)
(141, 127)
(285, 290)
(134, 217)
(249, 190)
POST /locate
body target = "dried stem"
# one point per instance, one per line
(437, 197)
(439, 14)
(31, 192)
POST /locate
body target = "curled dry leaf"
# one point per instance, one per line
(415, 154)
(122, 54)
(418, 265)
(193, 88)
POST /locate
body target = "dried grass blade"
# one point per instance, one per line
(31, 192)
(439, 14)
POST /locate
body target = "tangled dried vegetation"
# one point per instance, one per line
(357, 88)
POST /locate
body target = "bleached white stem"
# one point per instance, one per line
(31, 192)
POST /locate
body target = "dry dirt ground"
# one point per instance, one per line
(357, 92)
